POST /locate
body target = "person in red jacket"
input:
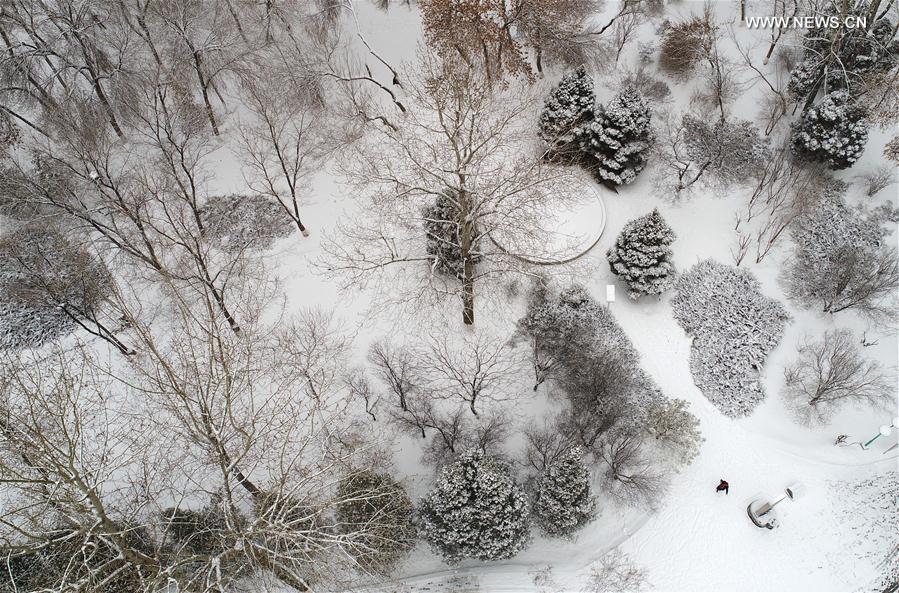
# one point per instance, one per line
(723, 485)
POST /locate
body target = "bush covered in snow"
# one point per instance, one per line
(734, 327)
(238, 222)
(374, 513)
(475, 510)
(641, 255)
(563, 503)
(47, 284)
(577, 343)
(675, 429)
(841, 260)
(833, 132)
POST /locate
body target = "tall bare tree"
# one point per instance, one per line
(459, 162)
(830, 373)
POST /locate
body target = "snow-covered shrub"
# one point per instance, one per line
(46, 285)
(734, 327)
(641, 255)
(656, 91)
(443, 231)
(675, 429)
(563, 503)
(375, 514)
(475, 510)
(891, 150)
(238, 222)
(834, 132)
(695, 150)
(569, 106)
(52, 560)
(577, 342)
(202, 531)
(840, 261)
(616, 143)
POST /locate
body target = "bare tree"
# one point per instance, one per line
(203, 41)
(785, 9)
(284, 140)
(359, 388)
(724, 153)
(68, 514)
(545, 444)
(629, 477)
(877, 179)
(491, 188)
(852, 277)
(831, 373)
(397, 368)
(784, 191)
(480, 369)
(453, 431)
(558, 31)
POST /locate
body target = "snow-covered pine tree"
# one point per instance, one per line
(563, 503)
(569, 107)
(834, 132)
(642, 255)
(475, 510)
(615, 144)
(443, 235)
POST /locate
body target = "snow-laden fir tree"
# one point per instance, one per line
(475, 510)
(616, 143)
(833, 132)
(563, 503)
(642, 255)
(569, 107)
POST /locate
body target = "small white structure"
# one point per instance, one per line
(761, 511)
(610, 293)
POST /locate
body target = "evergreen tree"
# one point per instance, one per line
(375, 514)
(834, 132)
(566, 111)
(642, 255)
(563, 503)
(615, 144)
(476, 510)
(443, 233)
